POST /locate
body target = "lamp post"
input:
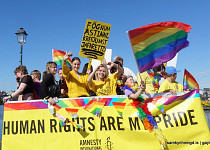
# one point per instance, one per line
(21, 38)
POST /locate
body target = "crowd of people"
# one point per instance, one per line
(110, 78)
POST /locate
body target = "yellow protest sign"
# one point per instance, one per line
(30, 125)
(95, 38)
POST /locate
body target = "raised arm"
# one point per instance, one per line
(138, 93)
(89, 79)
(119, 68)
(65, 68)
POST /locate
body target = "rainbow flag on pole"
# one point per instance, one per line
(189, 81)
(58, 58)
(157, 43)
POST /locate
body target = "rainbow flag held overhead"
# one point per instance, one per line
(189, 81)
(157, 43)
(58, 58)
(119, 107)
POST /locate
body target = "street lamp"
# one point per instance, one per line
(21, 38)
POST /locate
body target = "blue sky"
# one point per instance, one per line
(53, 24)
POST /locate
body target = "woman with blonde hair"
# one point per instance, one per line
(98, 74)
(49, 81)
(104, 84)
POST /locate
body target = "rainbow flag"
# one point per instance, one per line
(161, 108)
(78, 126)
(62, 123)
(189, 81)
(58, 58)
(78, 103)
(72, 112)
(157, 43)
(119, 107)
(95, 106)
(166, 103)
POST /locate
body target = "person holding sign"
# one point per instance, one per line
(104, 84)
(76, 82)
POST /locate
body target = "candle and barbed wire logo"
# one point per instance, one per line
(109, 144)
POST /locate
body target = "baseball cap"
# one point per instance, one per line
(171, 70)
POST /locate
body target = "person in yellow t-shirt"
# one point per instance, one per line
(104, 84)
(75, 81)
(170, 84)
(147, 81)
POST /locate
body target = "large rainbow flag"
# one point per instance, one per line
(189, 81)
(157, 43)
(58, 58)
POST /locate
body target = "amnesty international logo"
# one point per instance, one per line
(109, 144)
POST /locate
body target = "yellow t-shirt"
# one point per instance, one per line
(77, 87)
(166, 85)
(147, 81)
(107, 87)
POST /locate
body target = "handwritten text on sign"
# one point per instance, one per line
(95, 38)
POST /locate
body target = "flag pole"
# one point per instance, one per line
(88, 68)
(89, 64)
(52, 54)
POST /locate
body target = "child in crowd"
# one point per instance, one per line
(104, 84)
(25, 88)
(76, 82)
(36, 76)
(62, 84)
(49, 81)
(170, 84)
(132, 90)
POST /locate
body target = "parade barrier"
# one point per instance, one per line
(113, 124)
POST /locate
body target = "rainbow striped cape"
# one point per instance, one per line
(58, 58)
(189, 81)
(157, 43)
